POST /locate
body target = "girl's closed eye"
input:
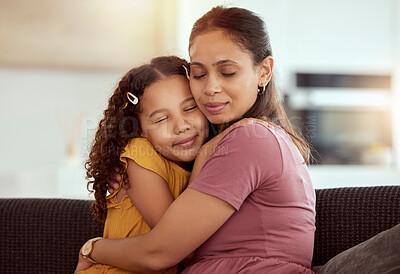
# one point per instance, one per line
(161, 119)
(190, 108)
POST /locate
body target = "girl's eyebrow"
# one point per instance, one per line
(220, 62)
(163, 109)
(187, 100)
(156, 112)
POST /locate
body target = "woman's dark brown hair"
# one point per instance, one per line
(248, 30)
(120, 124)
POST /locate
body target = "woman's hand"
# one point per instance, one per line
(82, 263)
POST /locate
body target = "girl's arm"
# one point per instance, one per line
(208, 148)
(149, 192)
(203, 154)
(188, 222)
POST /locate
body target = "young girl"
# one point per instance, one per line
(152, 131)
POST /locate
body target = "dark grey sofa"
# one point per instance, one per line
(45, 235)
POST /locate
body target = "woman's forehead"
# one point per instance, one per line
(214, 46)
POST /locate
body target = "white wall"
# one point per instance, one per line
(41, 112)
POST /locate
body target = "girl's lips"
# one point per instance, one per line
(188, 142)
(214, 108)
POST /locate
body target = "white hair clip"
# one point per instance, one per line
(132, 98)
(187, 72)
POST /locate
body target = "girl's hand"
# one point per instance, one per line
(114, 185)
(208, 148)
(210, 145)
(82, 263)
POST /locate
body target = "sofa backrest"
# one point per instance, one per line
(349, 216)
(45, 235)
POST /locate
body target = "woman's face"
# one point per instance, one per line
(171, 121)
(223, 79)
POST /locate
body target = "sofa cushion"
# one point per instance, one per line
(380, 254)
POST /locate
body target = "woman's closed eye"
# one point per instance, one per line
(199, 76)
(198, 72)
(223, 73)
(228, 74)
(227, 71)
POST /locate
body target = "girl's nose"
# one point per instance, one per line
(182, 125)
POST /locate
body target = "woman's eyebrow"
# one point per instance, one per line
(196, 64)
(220, 62)
(225, 61)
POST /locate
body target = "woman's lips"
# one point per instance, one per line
(188, 142)
(214, 108)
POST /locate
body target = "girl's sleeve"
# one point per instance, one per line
(143, 153)
(241, 163)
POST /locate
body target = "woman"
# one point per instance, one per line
(251, 207)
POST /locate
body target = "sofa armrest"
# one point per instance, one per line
(44, 235)
(348, 216)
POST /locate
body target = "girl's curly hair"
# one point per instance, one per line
(120, 124)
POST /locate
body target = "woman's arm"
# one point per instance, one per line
(188, 222)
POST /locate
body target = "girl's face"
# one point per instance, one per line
(171, 121)
(223, 79)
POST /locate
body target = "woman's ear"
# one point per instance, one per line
(265, 70)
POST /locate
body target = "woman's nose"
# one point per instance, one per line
(212, 86)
